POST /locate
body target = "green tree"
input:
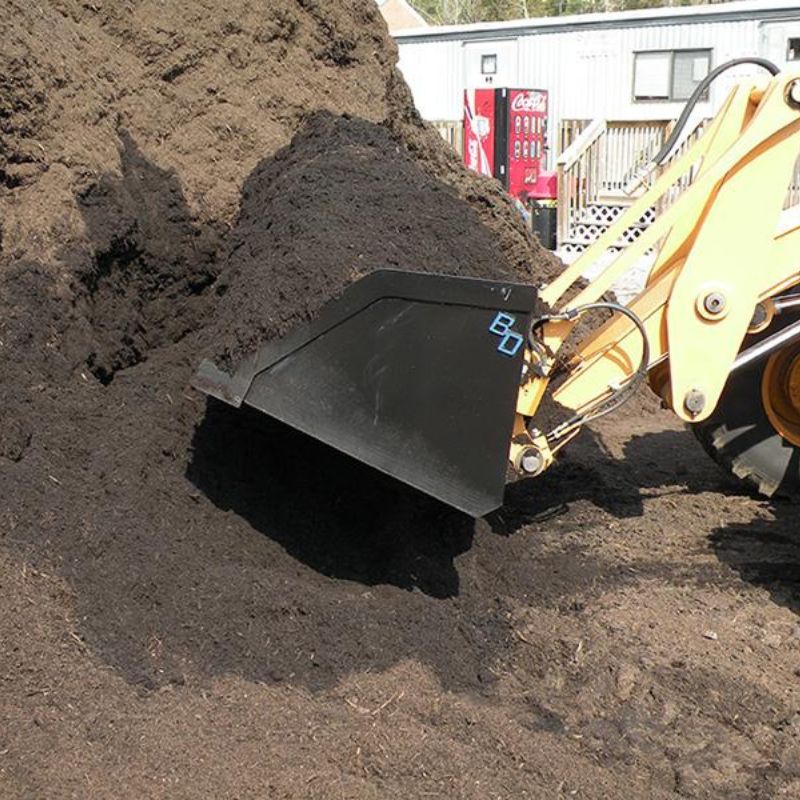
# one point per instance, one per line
(454, 12)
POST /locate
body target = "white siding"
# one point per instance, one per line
(434, 72)
(590, 74)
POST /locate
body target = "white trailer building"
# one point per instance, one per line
(631, 65)
(616, 82)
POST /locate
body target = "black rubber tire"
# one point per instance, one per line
(740, 437)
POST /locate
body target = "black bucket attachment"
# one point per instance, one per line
(414, 374)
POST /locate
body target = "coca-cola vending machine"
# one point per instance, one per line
(505, 136)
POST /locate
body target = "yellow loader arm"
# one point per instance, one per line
(725, 248)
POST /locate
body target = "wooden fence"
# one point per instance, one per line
(452, 132)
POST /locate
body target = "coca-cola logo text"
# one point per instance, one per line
(529, 101)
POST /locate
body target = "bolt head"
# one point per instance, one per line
(714, 302)
(793, 94)
(759, 316)
(695, 401)
(531, 461)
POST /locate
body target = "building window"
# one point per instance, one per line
(793, 49)
(489, 64)
(669, 74)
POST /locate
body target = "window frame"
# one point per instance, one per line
(672, 52)
(487, 58)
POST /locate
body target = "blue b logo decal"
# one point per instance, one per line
(510, 341)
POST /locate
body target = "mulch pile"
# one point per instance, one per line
(343, 199)
(185, 180)
(198, 602)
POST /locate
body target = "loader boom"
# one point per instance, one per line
(724, 248)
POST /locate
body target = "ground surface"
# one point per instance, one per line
(198, 603)
(625, 627)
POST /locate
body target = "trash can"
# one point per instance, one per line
(542, 202)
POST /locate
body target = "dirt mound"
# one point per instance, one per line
(199, 602)
(142, 474)
(156, 209)
(129, 134)
(344, 198)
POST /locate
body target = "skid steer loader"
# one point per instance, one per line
(442, 381)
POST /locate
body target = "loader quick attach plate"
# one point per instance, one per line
(412, 373)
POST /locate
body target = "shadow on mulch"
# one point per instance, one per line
(671, 461)
(340, 517)
(765, 552)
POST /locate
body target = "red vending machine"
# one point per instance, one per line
(505, 135)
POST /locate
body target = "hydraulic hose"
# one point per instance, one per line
(621, 395)
(699, 91)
